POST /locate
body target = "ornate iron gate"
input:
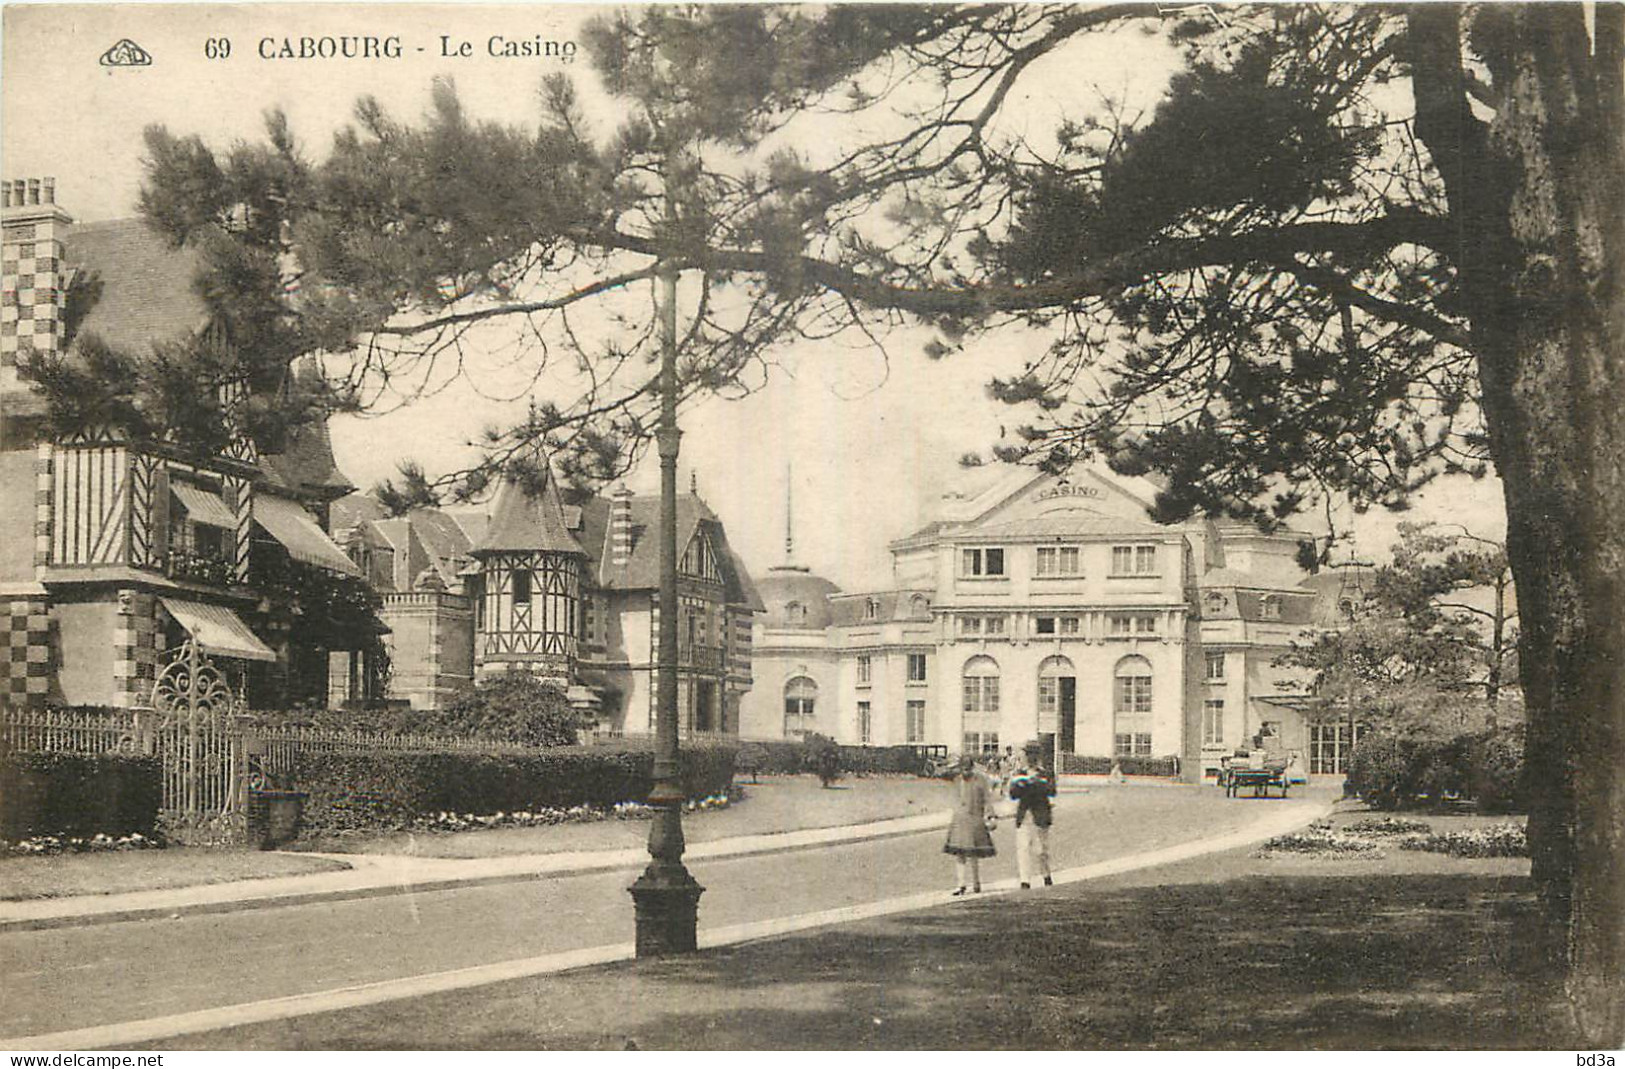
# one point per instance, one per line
(194, 720)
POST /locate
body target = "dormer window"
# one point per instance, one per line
(795, 612)
(871, 609)
(981, 563)
(920, 605)
(1215, 603)
(1269, 608)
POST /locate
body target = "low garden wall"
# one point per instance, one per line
(78, 795)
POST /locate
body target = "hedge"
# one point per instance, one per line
(78, 795)
(1087, 765)
(1400, 772)
(791, 757)
(390, 789)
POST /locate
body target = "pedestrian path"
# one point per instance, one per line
(385, 874)
(1273, 820)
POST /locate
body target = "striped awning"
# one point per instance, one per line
(202, 506)
(299, 533)
(217, 629)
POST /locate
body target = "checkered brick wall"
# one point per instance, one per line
(136, 641)
(26, 670)
(44, 515)
(32, 289)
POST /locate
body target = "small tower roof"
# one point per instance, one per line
(528, 519)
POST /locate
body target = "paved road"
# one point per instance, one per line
(78, 977)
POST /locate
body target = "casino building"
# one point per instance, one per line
(1041, 606)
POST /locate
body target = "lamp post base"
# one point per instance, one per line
(666, 900)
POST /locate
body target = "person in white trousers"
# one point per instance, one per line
(1032, 790)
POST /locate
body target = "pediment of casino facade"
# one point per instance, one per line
(1089, 500)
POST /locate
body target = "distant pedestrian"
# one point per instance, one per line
(969, 839)
(1032, 788)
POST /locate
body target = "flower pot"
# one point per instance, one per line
(273, 817)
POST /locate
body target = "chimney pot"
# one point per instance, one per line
(50, 190)
(33, 191)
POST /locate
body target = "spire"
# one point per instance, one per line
(527, 516)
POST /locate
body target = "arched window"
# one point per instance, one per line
(1269, 607)
(800, 694)
(1131, 708)
(795, 612)
(1050, 674)
(919, 605)
(981, 705)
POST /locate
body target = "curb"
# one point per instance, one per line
(750, 846)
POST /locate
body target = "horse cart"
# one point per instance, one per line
(1239, 773)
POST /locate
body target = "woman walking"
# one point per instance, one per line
(968, 837)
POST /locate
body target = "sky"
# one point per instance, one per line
(865, 439)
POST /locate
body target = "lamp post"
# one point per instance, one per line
(666, 898)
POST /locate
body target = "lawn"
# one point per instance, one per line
(776, 804)
(1414, 951)
(64, 875)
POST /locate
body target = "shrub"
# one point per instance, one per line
(391, 789)
(1400, 771)
(79, 795)
(1495, 777)
(1380, 771)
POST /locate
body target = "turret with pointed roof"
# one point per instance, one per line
(531, 563)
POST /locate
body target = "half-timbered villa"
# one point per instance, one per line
(563, 584)
(115, 548)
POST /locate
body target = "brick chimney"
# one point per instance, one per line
(32, 292)
(620, 527)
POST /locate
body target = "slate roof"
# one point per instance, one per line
(847, 610)
(146, 294)
(642, 570)
(306, 463)
(523, 521)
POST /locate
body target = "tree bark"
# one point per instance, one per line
(1539, 193)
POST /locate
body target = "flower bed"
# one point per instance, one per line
(578, 814)
(1496, 840)
(42, 845)
(1320, 840)
(1388, 827)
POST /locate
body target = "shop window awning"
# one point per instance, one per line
(202, 506)
(218, 631)
(299, 534)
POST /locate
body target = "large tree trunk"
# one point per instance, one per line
(1539, 193)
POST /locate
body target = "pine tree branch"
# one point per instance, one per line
(520, 307)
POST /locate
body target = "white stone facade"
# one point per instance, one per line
(1036, 607)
